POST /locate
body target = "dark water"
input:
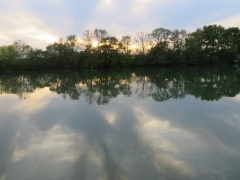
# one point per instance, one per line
(139, 124)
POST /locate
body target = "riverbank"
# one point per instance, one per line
(209, 45)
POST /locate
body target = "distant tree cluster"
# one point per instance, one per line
(211, 44)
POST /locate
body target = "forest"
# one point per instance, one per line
(209, 45)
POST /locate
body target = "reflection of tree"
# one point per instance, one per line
(20, 85)
(100, 86)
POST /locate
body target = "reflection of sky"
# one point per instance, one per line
(46, 137)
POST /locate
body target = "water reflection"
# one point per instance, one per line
(150, 127)
(206, 83)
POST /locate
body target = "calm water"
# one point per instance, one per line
(139, 124)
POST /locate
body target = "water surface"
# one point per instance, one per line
(138, 124)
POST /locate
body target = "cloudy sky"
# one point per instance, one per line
(40, 22)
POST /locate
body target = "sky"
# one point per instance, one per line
(41, 22)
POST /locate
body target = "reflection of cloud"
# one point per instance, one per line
(148, 121)
(128, 137)
(110, 117)
(157, 133)
(3, 177)
(18, 155)
(236, 98)
(58, 140)
(23, 110)
(178, 165)
(37, 100)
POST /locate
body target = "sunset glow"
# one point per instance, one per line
(95, 44)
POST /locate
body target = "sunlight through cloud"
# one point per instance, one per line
(36, 34)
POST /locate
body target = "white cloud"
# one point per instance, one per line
(39, 26)
(140, 6)
(233, 21)
(105, 4)
(20, 23)
(3, 37)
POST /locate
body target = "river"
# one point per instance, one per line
(132, 124)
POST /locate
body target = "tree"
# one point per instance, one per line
(125, 43)
(212, 39)
(72, 40)
(160, 38)
(142, 41)
(99, 35)
(8, 56)
(160, 35)
(21, 48)
(178, 40)
(108, 51)
(192, 51)
(87, 39)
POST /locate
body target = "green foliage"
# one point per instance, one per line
(211, 44)
(192, 51)
(124, 44)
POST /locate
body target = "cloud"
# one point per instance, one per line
(3, 37)
(232, 21)
(139, 6)
(121, 17)
(42, 22)
(20, 22)
(27, 27)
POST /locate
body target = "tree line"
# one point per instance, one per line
(211, 44)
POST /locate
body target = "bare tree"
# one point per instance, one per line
(142, 41)
(87, 39)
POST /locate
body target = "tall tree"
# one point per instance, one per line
(73, 43)
(125, 44)
(178, 40)
(160, 38)
(87, 39)
(160, 35)
(142, 41)
(99, 35)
